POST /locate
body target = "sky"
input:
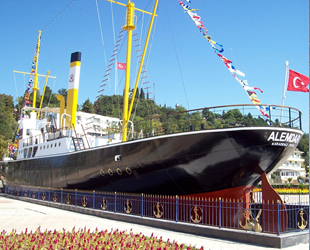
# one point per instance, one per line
(258, 36)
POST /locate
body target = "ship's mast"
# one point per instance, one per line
(34, 72)
(129, 27)
(35, 82)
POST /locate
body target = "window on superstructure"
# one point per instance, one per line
(29, 152)
(25, 153)
(35, 149)
(59, 144)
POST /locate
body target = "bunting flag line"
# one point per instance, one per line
(218, 49)
(12, 149)
(30, 82)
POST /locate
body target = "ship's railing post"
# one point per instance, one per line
(290, 119)
(61, 192)
(38, 193)
(75, 197)
(167, 124)
(176, 208)
(115, 202)
(49, 194)
(188, 129)
(269, 113)
(142, 205)
(278, 217)
(220, 212)
(94, 195)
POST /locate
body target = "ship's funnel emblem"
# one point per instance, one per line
(158, 210)
(251, 222)
(196, 214)
(71, 78)
(302, 218)
(128, 206)
(104, 204)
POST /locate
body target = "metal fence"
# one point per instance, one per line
(268, 217)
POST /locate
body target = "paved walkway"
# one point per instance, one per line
(20, 215)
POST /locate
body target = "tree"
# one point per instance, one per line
(8, 124)
(3, 146)
(88, 107)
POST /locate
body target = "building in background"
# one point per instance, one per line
(293, 167)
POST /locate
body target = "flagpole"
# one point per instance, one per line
(284, 87)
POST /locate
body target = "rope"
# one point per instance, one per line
(58, 15)
(102, 40)
(177, 56)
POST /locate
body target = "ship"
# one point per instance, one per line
(65, 148)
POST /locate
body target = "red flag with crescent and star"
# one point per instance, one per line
(121, 66)
(297, 82)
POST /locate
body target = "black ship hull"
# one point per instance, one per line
(222, 161)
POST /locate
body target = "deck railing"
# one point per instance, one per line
(239, 115)
(268, 216)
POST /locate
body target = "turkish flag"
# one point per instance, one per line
(10, 147)
(121, 66)
(297, 82)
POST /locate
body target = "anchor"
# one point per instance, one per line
(198, 217)
(43, 196)
(55, 197)
(158, 211)
(303, 221)
(84, 202)
(68, 199)
(104, 204)
(251, 223)
(128, 207)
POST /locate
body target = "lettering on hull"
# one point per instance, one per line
(284, 139)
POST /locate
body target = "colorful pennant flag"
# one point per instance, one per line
(218, 49)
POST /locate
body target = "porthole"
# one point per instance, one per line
(110, 172)
(128, 171)
(102, 172)
(119, 171)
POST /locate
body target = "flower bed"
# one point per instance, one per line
(286, 190)
(84, 239)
